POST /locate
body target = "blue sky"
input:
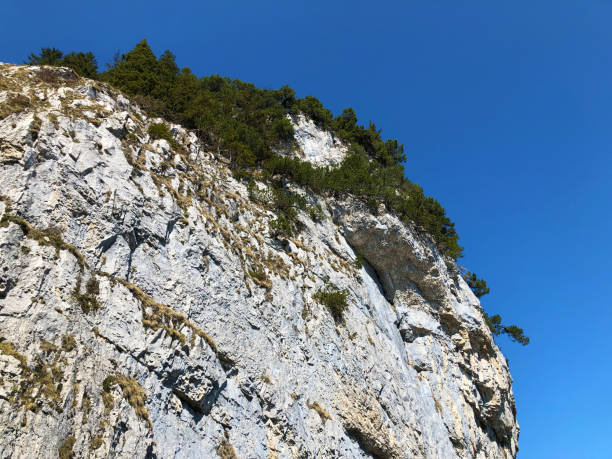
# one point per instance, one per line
(505, 111)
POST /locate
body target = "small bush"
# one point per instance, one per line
(68, 343)
(160, 131)
(107, 384)
(281, 226)
(83, 64)
(14, 104)
(95, 443)
(316, 213)
(65, 450)
(87, 301)
(359, 260)
(225, 450)
(335, 300)
(260, 195)
(133, 393)
(260, 278)
(93, 286)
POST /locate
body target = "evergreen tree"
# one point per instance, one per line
(137, 71)
(497, 328)
(478, 286)
(247, 125)
(82, 63)
(47, 56)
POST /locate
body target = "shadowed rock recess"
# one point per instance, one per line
(147, 309)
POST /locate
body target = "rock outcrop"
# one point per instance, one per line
(148, 311)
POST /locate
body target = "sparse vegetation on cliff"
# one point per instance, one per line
(480, 288)
(512, 331)
(248, 125)
(334, 300)
(161, 131)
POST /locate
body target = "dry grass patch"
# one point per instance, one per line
(323, 414)
(225, 450)
(159, 316)
(14, 104)
(133, 393)
(65, 449)
(45, 238)
(39, 381)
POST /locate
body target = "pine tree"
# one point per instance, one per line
(137, 72)
(82, 63)
(48, 56)
(478, 286)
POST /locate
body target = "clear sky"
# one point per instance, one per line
(505, 109)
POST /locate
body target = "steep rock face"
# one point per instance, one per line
(147, 310)
(321, 148)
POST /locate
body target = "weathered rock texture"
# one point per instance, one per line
(147, 310)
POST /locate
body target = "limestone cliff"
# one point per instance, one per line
(148, 311)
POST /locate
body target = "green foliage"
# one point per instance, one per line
(263, 196)
(387, 153)
(235, 118)
(374, 184)
(136, 72)
(478, 286)
(359, 260)
(88, 301)
(316, 213)
(247, 125)
(281, 226)
(286, 204)
(314, 109)
(161, 131)
(82, 63)
(48, 56)
(497, 328)
(335, 300)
